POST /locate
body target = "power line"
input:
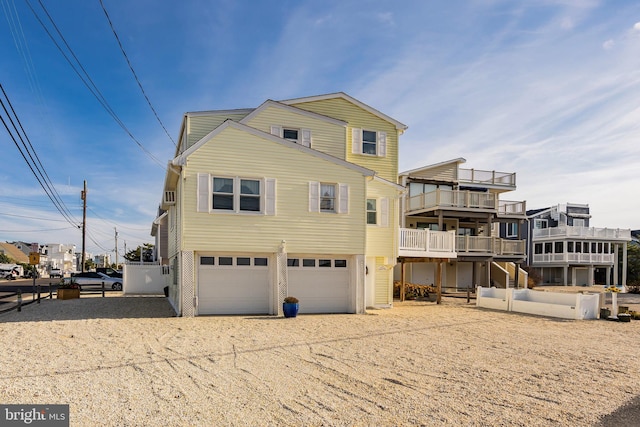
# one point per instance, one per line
(134, 73)
(32, 217)
(43, 173)
(88, 82)
(47, 185)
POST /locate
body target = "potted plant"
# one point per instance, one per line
(68, 289)
(290, 307)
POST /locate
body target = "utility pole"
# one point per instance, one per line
(83, 196)
(114, 229)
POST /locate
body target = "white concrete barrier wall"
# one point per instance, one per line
(553, 304)
(493, 298)
(143, 279)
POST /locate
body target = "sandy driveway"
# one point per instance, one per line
(125, 361)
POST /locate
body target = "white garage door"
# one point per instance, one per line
(233, 284)
(320, 283)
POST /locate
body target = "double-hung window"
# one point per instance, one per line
(372, 213)
(512, 229)
(223, 193)
(235, 194)
(327, 197)
(369, 142)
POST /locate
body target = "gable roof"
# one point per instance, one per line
(399, 126)
(269, 103)
(435, 165)
(181, 159)
(13, 252)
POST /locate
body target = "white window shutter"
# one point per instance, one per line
(382, 144)
(270, 196)
(204, 192)
(384, 212)
(356, 141)
(276, 130)
(343, 195)
(314, 196)
(306, 138)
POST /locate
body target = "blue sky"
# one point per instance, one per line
(547, 89)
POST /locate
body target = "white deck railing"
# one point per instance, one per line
(474, 176)
(426, 243)
(582, 232)
(489, 245)
(574, 258)
(452, 199)
(506, 207)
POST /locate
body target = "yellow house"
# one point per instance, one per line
(297, 197)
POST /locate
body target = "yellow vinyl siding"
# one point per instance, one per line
(384, 283)
(236, 153)
(199, 125)
(339, 108)
(381, 241)
(326, 137)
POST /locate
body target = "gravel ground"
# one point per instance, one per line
(125, 361)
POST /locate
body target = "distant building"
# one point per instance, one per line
(567, 251)
(14, 253)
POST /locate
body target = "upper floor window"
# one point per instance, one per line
(290, 134)
(540, 223)
(235, 194)
(512, 229)
(578, 222)
(365, 141)
(372, 214)
(328, 197)
(299, 136)
(369, 142)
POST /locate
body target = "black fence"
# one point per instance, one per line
(38, 295)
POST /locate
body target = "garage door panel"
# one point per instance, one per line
(320, 289)
(233, 289)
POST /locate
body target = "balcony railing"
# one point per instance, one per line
(511, 208)
(473, 176)
(452, 199)
(573, 258)
(582, 232)
(482, 245)
(445, 244)
(426, 243)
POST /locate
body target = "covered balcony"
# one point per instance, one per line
(426, 243)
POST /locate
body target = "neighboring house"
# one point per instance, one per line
(297, 197)
(452, 222)
(60, 256)
(567, 251)
(14, 253)
(25, 247)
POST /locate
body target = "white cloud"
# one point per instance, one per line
(608, 44)
(386, 18)
(636, 27)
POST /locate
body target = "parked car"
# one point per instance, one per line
(55, 272)
(109, 272)
(92, 278)
(9, 274)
